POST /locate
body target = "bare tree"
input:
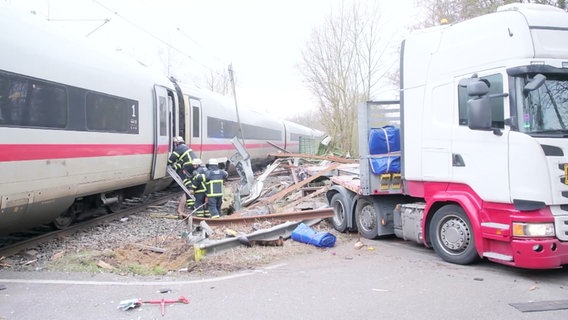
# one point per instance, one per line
(310, 118)
(341, 65)
(219, 81)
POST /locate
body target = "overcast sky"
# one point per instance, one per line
(262, 39)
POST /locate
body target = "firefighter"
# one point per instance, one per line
(215, 177)
(181, 158)
(198, 188)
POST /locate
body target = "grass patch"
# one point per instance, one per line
(84, 261)
(142, 270)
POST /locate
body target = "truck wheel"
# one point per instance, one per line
(366, 219)
(339, 220)
(452, 236)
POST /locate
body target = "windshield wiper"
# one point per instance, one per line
(555, 132)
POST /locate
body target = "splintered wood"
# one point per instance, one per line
(295, 187)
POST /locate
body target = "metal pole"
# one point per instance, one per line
(241, 134)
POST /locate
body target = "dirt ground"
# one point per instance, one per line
(172, 254)
(179, 256)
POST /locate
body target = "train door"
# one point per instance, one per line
(162, 129)
(196, 126)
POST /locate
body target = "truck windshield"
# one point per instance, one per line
(545, 109)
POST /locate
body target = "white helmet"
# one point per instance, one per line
(213, 162)
(197, 161)
(178, 139)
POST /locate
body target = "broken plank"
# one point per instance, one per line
(149, 248)
(104, 265)
(164, 216)
(311, 156)
(304, 198)
(296, 186)
(277, 147)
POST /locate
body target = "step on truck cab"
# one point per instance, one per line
(473, 159)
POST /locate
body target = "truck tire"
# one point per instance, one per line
(339, 220)
(366, 219)
(452, 236)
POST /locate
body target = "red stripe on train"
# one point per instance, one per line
(23, 152)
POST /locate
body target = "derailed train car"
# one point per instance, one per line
(82, 128)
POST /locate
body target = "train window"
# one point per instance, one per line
(32, 103)
(163, 117)
(220, 128)
(48, 106)
(111, 114)
(260, 133)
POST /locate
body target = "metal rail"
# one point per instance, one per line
(298, 215)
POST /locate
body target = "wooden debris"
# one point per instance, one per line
(277, 147)
(296, 186)
(104, 265)
(149, 248)
(311, 156)
(4, 264)
(302, 199)
(164, 216)
(30, 262)
(268, 243)
(57, 255)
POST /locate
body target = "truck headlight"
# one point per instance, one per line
(523, 229)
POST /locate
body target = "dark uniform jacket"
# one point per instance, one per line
(182, 157)
(215, 178)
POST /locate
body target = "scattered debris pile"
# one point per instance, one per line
(289, 190)
(169, 240)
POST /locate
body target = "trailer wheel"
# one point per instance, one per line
(366, 219)
(452, 236)
(339, 220)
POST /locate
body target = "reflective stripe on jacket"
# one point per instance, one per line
(198, 183)
(181, 157)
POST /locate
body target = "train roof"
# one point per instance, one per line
(36, 48)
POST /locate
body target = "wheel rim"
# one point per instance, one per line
(454, 235)
(367, 218)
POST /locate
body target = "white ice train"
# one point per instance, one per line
(81, 128)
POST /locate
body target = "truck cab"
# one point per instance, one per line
(483, 142)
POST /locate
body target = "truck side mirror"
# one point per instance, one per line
(478, 107)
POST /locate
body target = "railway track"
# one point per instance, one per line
(13, 244)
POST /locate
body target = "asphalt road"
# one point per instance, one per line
(387, 279)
